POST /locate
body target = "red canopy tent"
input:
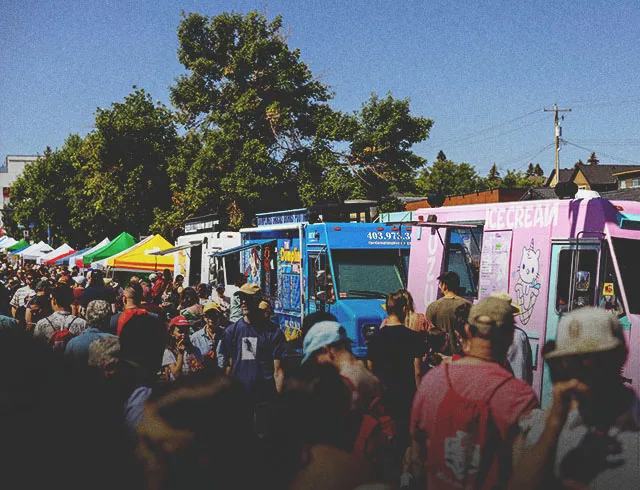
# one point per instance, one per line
(53, 260)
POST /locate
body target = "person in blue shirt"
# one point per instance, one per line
(254, 347)
(207, 339)
(97, 315)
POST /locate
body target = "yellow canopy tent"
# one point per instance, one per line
(137, 258)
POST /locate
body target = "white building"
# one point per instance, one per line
(9, 172)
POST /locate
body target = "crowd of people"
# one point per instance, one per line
(154, 384)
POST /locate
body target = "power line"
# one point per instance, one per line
(623, 160)
(486, 130)
(504, 133)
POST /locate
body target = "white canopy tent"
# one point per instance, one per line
(61, 250)
(78, 259)
(6, 242)
(35, 251)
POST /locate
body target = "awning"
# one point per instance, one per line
(628, 221)
(235, 250)
(177, 249)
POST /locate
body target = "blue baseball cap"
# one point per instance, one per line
(320, 335)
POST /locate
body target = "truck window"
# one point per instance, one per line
(367, 273)
(232, 267)
(609, 294)
(627, 254)
(576, 279)
(462, 256)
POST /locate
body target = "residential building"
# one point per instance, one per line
(597, 177)
(11, 169)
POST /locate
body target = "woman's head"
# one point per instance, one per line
(188, 297)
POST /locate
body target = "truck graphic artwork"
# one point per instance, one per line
(527, 287)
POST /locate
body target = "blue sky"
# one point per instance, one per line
(482, 70)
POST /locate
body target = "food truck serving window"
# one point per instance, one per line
(627, 254)
(368, 273)
(462, 256)
(576, 279)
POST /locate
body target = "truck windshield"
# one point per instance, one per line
(626, 252)
(369, 273)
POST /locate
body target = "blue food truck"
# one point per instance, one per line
(332, 259)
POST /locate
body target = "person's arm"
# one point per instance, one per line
(417, 364)
(278, 375)
(532, 468)
(176, 367)
(229, 369)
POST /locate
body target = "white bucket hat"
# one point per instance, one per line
(586, 331)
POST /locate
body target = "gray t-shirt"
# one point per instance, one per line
(442, 313)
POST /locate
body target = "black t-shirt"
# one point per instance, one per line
(97, 292)
(393, 350)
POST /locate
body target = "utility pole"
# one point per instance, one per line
(558, 130)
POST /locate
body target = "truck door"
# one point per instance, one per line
(572, 284)
(320, 288)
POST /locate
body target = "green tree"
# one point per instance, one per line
(41, 196)
(530, 170)
(449, 178)
(257, 108)
(125, 179)
(538, 172)
(493, 180)
(441, 156)
(593, 159)
(381, 153)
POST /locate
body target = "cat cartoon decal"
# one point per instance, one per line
(527, 286)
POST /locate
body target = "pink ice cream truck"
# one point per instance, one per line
(550, 256)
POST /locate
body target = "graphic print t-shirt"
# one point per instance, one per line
(253, 348)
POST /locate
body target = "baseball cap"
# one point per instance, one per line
(320, 335)
(264, 305)
(179, 321)
(505, 297)
(220, 286)
(42, 284)
(211, 306)
(585, 331)
(81, 280)
(153, 276)
(250, 288)
(489, 314)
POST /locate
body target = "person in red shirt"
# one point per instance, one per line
(132, 298)
(465, 414)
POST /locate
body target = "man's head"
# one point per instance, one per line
(491, 320)
(212, 314)
(80, 281)
(220, 289)
(250, 295)
(133, 294)
(143, 340)
(62, 297)
(449, 281)
(42, 286)
(152, 277)
(324, 341)
(589, 346)
(98, 315)
(397, 305)
(179, 279)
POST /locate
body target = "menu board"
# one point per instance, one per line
(494, 263)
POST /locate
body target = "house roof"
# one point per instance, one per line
(595, 174)
(604, 174)
(549, 193)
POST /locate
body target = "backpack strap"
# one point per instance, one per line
(51, 323)
(74, 319)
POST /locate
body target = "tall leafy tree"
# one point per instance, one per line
(125, 176)
(493, 180)
(538, 172)
(448, 178)
(257, 107)
(593, 159)
(381, 151)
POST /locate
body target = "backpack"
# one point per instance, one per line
(377, 434)
(60, 337)
(465, 442)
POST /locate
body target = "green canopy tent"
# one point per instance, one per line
(22, 244)
(122, 242)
